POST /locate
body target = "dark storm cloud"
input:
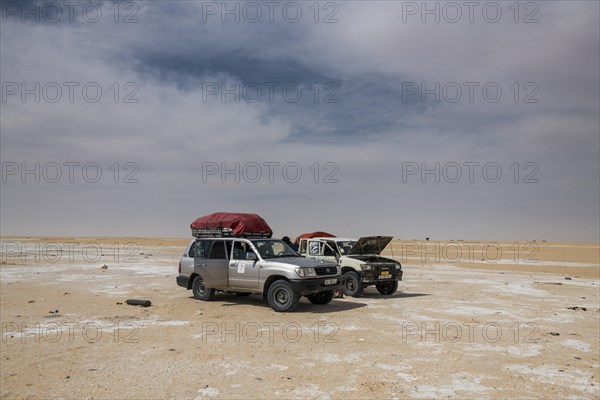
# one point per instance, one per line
(210, 64)
(369, 130)
(362, 105)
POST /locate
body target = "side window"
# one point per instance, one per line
(239, 250)
(217, 250)
(313, 248)
(192, 250)
(303, 247)
(327, 248)
(200, 248)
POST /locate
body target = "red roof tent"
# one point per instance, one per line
(232, 224)
(313, 235)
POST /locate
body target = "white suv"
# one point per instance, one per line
(360, 261)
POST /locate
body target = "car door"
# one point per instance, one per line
(328, 251)
(243, 273)
(211, 262)
(187, 260)
(320, 250)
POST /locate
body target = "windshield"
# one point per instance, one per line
(273, 248)
(345, 246)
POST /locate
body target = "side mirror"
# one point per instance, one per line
(251, 256)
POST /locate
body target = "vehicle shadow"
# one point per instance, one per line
(377, 295)
(336, 305)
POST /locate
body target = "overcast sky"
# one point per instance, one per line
(359, 97)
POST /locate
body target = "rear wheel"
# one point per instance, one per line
(321, 297)
(201, 292)
(387, 288)
(281, 297)
(352, 284)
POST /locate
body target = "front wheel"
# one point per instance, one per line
(387, 288)
(281, 297)
(352, 284)
(321, 297)
(201, 292)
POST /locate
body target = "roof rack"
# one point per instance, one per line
(227, 232)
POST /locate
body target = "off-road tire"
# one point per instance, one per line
(387, 288)
(352, 284)
(281, 297)
(200, 291)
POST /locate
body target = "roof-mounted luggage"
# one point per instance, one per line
(226, 224)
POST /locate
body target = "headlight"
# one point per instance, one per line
(304, 272)
(366, 267)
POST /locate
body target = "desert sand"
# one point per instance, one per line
(471, 319)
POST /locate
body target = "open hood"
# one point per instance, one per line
(370, 245)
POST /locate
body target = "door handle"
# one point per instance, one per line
(233, 264)
(202, 265)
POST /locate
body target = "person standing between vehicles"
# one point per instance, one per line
(286, 240)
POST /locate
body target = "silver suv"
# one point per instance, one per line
(266, 266)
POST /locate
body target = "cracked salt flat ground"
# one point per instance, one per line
(380, 347)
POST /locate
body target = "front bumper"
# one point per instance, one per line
(372, 277)
(305, 287)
